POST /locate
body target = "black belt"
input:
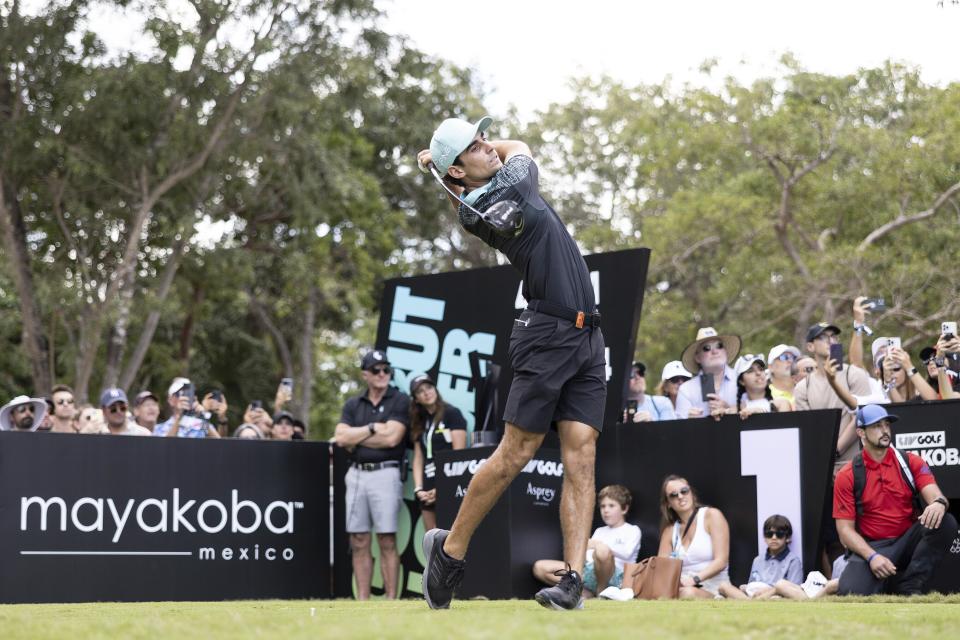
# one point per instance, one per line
(374, 466)
(580, 319)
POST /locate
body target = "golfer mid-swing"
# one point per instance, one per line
(556, 351)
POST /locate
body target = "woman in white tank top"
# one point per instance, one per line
(698, 535)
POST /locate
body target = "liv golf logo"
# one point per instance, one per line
(931, 446)
(176, 515)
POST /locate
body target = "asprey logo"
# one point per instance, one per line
(921, 440)
(155, 515)
(541, 495)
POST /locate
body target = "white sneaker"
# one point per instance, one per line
(614, 593)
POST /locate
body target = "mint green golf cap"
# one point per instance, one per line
(452, 137)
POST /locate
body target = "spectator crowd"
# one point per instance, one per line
(886, 543)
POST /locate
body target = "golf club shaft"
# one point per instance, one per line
(436, 174)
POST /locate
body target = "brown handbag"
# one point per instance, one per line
(654, 578)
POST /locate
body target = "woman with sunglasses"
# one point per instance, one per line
(754, 394)
(671, 378)
(697, 535)
(434, 426)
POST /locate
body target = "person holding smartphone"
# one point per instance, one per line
(640, 406)
(186, 414)
(713, 390)
(832, 385)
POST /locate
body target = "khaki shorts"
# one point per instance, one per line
(373, 500)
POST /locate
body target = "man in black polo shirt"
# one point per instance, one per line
(556, 351)
(372, 428)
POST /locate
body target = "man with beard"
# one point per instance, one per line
(23, 414)
(877, 498)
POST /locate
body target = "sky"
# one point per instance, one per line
(524, 51)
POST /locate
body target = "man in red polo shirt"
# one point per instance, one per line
(894, 548)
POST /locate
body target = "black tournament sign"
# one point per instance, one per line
(93, 518)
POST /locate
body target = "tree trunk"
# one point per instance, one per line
(153, 318)
(283, 350)
(305, 395)
(15, 246)
(186, 333)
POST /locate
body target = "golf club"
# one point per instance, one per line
(503, 216)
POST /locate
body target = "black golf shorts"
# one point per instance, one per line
(559, 373)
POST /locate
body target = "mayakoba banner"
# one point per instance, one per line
(89, 518)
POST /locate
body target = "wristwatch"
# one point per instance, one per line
(697, 582)
(912, 372)
(943, 501)
(372, 427)
(940, 362)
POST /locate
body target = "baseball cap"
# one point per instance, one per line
(373, 358)
(143, 395)
(452, 137)
(177, 384)
(112, 395)
(284, 415)
(781, 349)
(872, 414)
(815, 330)
(419, 380)
(927, 352)
(639, 366)
(746, 361)
(673, 369)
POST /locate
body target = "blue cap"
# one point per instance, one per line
(112, 395)
(452, 137)
(872, 414)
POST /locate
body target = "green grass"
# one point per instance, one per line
(881, 617)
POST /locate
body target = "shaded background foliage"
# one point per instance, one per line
(227, 203)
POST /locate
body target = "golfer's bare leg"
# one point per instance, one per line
(362, 563)
(389, 563)
(578, 449)
(492, 478)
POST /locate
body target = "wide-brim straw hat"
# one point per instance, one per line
(706, 334)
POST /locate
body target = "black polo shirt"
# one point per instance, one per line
(543, 252)
(359, 412)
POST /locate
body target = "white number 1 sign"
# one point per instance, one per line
(773, 456)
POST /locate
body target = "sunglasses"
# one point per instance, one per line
(63, 401)
(673, 495)
(380, 371)
(25, 408)
(809, 369)
(775, 533)
(784, 357)
(678, 379)
(712, 346)
(117, 406)
(635, 376)
(829, 337)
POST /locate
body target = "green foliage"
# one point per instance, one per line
(757, 200)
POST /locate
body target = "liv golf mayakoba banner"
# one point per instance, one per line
(90, 518)
(431, 324)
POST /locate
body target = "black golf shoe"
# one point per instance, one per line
(566, 595)
(443, 573)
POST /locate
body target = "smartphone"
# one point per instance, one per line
(893, 342)
(190, 393)
(288, 383)
(256, 404)
(948, 330)
(875, 304)
(706, 386)
(836, 353)
(631, 408)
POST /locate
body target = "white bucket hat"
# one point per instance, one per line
(39, 412)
